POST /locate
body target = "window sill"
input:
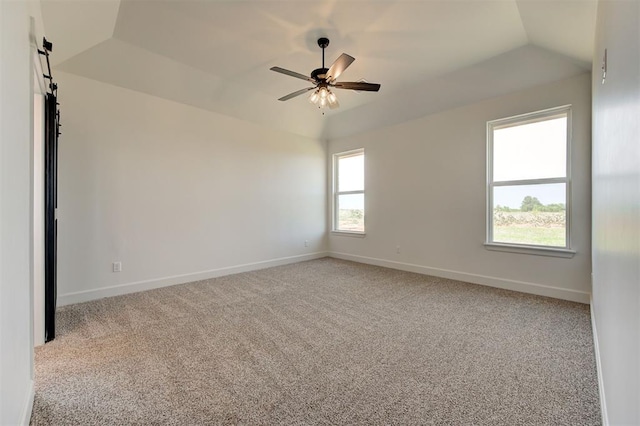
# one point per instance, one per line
(537, 251)
(349, 234)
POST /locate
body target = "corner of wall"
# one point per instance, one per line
(25, 418)
(596, 348)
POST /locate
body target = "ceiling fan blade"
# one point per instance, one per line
(339, 66)
(294, 94)
(356, 85)
(292, 74)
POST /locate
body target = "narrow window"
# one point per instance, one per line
(348, 191)
(528, 189)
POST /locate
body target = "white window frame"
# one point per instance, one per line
(518, 120)
(336, 193)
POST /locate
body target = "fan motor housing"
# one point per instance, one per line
(319, 74)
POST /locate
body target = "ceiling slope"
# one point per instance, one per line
(566, 27)
(121, 64)
(518, 69)
(76, 25)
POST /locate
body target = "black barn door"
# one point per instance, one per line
(51, 128)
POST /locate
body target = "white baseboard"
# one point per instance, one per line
(134, 287)
(521, 286)
(25, 419)
(596, 347)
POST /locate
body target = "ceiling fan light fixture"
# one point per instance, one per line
(323, 97)
(314, 97)
(333, 101)
(324, 79)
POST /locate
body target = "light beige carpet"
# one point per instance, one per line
(320, 342)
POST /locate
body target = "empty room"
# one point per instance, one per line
(320, 212)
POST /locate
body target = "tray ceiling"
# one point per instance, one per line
(216, 55)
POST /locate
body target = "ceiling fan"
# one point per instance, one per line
(324, 79)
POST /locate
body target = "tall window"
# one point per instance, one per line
(348, 191)
(529, 180)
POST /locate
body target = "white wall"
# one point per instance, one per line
(616, 208)
(16, 102)
(425, 192)
(176, 193)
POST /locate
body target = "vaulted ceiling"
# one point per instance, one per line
(428, 55)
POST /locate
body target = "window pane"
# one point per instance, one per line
(351, 173)
(531, 151)
(530, 214)
(351, 212)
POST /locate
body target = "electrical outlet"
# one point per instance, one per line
(398, 249)
(306, 243)
(117, 266)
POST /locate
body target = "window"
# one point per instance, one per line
(348, 192)
(528, 176)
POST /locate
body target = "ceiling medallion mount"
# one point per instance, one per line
(324, 79)
(323, 42)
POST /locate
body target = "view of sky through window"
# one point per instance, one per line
(351, 173)
(351, 178)
(530, 151)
